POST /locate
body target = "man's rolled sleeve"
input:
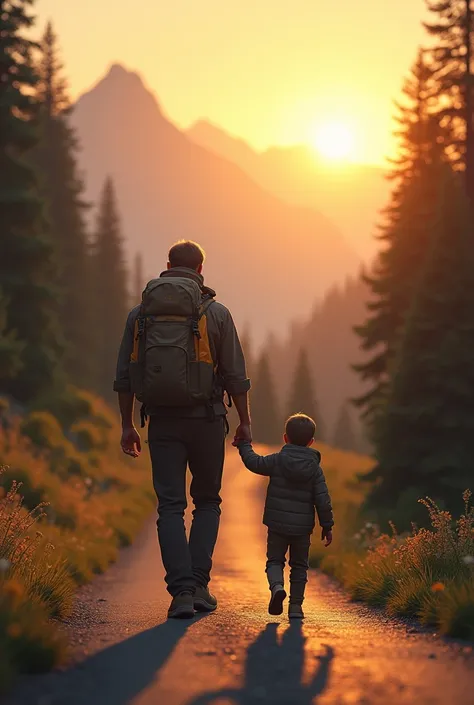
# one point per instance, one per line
(122, 376)
(231, 358)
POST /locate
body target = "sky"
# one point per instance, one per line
(274, 72)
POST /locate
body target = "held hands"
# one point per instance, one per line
(130, 441)
(326, 534)
(243, 433)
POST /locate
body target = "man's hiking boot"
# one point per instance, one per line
(181, 606)
(295, 611)
(203, 600)
(276, 600)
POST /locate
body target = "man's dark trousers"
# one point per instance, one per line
(277, 547)
(174, 444)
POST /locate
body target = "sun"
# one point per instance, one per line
(334, 141)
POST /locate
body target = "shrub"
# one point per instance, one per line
(89, 436)
(428, 574)
(43, 430)
(78, 507)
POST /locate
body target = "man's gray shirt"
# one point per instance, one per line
(225, 346)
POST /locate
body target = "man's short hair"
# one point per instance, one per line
(300, 429)
(186, 253)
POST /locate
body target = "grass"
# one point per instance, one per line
(428, 574)
(69, 499)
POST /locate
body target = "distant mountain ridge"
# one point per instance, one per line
(350, 195)
(268, 260)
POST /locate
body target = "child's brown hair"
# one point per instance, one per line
(300, 429)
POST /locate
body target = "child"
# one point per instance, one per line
(297, 485)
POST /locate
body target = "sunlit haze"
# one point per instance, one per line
(267, 71)
(335, 141)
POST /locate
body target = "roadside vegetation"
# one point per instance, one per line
(427, 573)
(68, 501)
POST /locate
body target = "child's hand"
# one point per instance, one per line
(326, 534)
(242, 433)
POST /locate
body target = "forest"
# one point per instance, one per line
(383, 362)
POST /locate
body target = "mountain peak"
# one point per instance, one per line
(118, 73)
(124, 89)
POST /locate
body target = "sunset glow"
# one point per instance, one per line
(334, 141)
(260, 70)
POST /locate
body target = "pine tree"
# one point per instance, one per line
(404, 235)
(344, 436)
(62, 189)
(138, 279)
(452, 64)
(25, 263)
(247, 347)
(266, 421)
(425, 446)
(110, 289)
(302, 395)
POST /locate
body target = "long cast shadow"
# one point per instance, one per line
(274, 672)
(116, 675)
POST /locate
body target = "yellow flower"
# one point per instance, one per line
(437, 587)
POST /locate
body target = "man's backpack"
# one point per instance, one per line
(171, 363)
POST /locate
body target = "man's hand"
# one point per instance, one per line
(130, 441)
(326, 534)
(242, 433)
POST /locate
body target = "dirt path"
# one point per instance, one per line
(126, 652)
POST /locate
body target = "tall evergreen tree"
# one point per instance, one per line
(266, 420)
(404, 236)
(425, 446)
(110, 290)
(62, 190)
(302, 397)
(344, 436)
(138, 279)
(247, 347)
(452, 63)
(25, 263)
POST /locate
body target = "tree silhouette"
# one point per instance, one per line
(425, 444)
(266, 422)
(138, 279)
(405, 235)
(451, 62)
(26, 269)
(303, 396)
(344, 436)
(111, 296)
(62, 189)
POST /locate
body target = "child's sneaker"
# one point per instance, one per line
(276, 600)
(295, 611)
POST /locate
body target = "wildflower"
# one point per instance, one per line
(4, 565)
(357, 536)
(437, 587)
(369, 525)
(468, 560)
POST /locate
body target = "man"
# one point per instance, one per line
(183, 434)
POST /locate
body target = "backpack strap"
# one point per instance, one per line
(207, 300)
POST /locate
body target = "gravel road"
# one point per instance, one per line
(124, 651)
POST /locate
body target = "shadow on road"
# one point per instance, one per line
(121, 672)
(275, 672)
